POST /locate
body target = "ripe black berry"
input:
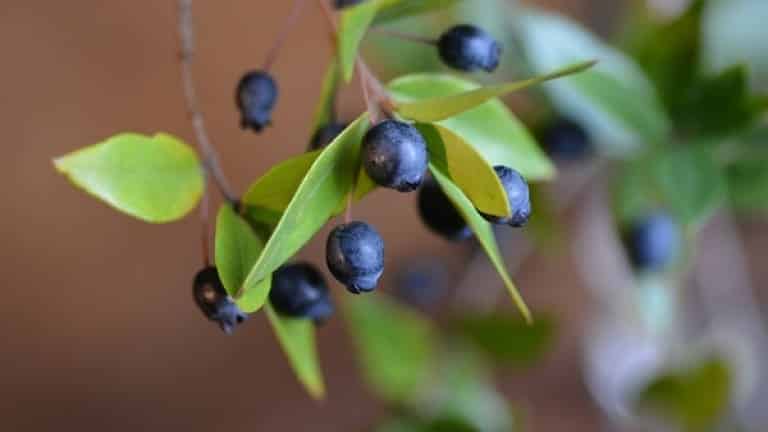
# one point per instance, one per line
(653, 242)
(341, 4)
(566, 140)
(213, 300)
(355, 256)
(518, 195)
(299, 290)
(440, 215)
(469, 48)
(395, 155)
(256, 97)
(325, 135)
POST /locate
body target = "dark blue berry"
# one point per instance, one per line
(421, 282)
(355, 256)
(395, 155)
(565, 140)
(299, 290)
(256, 97)
(341, 4)
(326, 134)
(214, 302)
(518, 195)
(469, 48)
(653, 242)
(440, 215)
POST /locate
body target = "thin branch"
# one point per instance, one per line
(187, 45)
(404, 36)
(285, 31)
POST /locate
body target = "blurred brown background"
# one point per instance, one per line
(98, 325)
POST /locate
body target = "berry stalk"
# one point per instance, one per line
(285, 31)
(404, 36)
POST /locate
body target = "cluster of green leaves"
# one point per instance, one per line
(160, 179)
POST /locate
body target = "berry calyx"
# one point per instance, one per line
(653, 242)
(469, 48)
(355, 256)
(299, 291)
(326, 134)
(565, 140)
(256, 97)
(519, 197)
(214, 302)
(440, 215)
(395, 155)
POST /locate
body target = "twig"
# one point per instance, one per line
(285, 31)
(404, 36)
(187, 45)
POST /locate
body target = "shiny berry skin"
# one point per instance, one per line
(299, 291)
(341, 4)
(439, 214)
(355, 256)
(519, 197)
(565, 140)
(469, 48)
(653, 242)
(214, 301)
(256, 98)
(395, 155)
(326, 134)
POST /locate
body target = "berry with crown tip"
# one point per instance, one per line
(299, 291)
(439, 214)
(519, 197)
(326, 134)
(355, 256)
(653, 241)
(256, 97)
(469, 48)
(214, 302)
(341, 4)
(565, 139)
(395, 155)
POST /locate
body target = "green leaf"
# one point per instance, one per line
(156, 179)
(394, 343)
(443, 107)
(615, 100)
(694, 398)
(483, 232)
(352, 28)
(320, 194)
(506, 143)
(325, 111)
(297, 338)
(391, 10)
(748, 185)
(507, 339)
(466, 168)
(237, 249)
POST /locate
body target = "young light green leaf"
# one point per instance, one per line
(484, 233)
(506, 143)
(297, 338)
(598, 98)
(237, 249)
(391, 10)
(466, 168)
(325, 111)
(321, 192)
(156, 179)
(694, 398)
(352, 28)
(394, 343)
(443, 107)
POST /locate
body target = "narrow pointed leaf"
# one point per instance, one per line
(484, 233)
(156, 179)
(441, 108)
(324, 112)
(466, 168)
(297, 338)
(491, 128)
(237, 249)
(352, 28)
(320, 194)
(391, 10)
(394, 343)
